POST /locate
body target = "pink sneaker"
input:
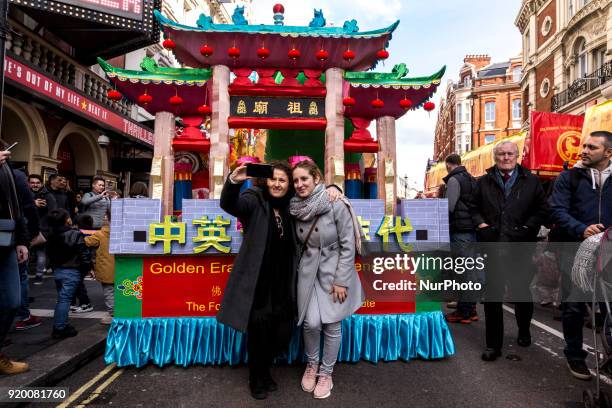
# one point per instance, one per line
(309, 379)
(324, 386)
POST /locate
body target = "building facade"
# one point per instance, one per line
(567, 54)
(482, 106)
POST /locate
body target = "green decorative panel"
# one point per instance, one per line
(128, 287)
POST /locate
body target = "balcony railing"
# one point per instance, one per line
(50, 60)
(582, 86)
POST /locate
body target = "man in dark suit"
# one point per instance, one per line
(509, 207)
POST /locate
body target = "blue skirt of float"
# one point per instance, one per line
(353, 189)
(182, 190)
(370, 191)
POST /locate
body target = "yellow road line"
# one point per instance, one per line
(101, 388)
(85, 387)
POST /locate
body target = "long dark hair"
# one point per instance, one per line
(283, 166)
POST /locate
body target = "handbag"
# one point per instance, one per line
(312, 227)
(7, 233)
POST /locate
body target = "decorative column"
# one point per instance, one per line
(162, 168)
(219, 135)
(386, 163)
(334, 132)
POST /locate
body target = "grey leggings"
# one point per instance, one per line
(312, 338)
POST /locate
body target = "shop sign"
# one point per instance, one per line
(277, 107)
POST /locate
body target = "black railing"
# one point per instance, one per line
(582, 86)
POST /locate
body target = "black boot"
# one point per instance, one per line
(524, 338)
(269, 382)
(258, 388)
(491, 354)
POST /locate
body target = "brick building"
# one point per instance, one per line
(567, 54)
(444, 141)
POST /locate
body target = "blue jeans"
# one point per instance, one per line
(10, 292)
(464, 308)
(66, 282)
(24, 308)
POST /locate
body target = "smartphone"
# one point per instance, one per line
(259, 170)
(11, 146)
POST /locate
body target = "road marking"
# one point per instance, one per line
(558, 334)
(101, 388)
(50, 312)
(86, 386)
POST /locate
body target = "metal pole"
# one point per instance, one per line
(4, 29)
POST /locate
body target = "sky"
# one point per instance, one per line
(431, 34)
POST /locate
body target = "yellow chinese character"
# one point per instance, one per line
(212, 234)
(215, 290)
(313, 109)
(365, 227)
(388, 226)
(167, 232)
(294, 108)
(261, 108)
(241, 110)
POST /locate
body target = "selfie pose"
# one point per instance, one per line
(329, 289)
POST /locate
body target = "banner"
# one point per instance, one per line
(554, 139)
(598, 117)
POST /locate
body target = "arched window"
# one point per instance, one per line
(581, 58)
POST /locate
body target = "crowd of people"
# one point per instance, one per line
(54, 231)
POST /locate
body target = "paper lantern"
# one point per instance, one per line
(405, 103)
(378, 103)
(145, 99)
(349, 102)
(348, 55)
(382, 54)
(175, 100)
(278, 9)
(429, 106)
(322, 55)
(206, 50)
(294, 54)
(263, 53)
(204, 110)
(169, 44)
(234, 52)
(114, 95)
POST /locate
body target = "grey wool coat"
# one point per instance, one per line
(253, 211)
(329, 259)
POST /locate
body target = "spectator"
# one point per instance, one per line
(69, 258)
(97, 202)
(80, 301)
(71, 196)
(104, 266)
(581, 206)
(509, 206)
(460, 186)
(139, 190)
(44, 202)
(55, 188)
(13, 249)
(79, 206)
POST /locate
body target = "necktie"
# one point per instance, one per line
(505, 177)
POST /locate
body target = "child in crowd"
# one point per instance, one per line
(69, 257)
(85, 224)
(105, 266)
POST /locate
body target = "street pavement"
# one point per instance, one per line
(536, 377)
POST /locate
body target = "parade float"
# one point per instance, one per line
(257, 93)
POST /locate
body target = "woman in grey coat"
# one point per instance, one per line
(328, 287)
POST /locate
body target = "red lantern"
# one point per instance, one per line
(278, 9)
(348, 55)
(349, 102)
(206, 50)
(263, 53)
(169, 44)
(145, 99)
(429, 106)
(382, 54)
(378, 103)
(322, 55)
(175, 100)
(406, 103)
(294, 54)
(114, 95)
(204, 110)
(234, 52)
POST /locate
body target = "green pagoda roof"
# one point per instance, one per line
(395, 79)
(152, 73)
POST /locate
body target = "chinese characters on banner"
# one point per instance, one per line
(277, 107)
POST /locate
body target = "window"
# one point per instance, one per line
(468, 112)
(546, 26)
(489, 139)
(467, 81)
(517, 73)
(599, 57)
(545, 88)
(581, 57)
(490, 112)
(459, 113)
(516, 109)
(527, 46)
